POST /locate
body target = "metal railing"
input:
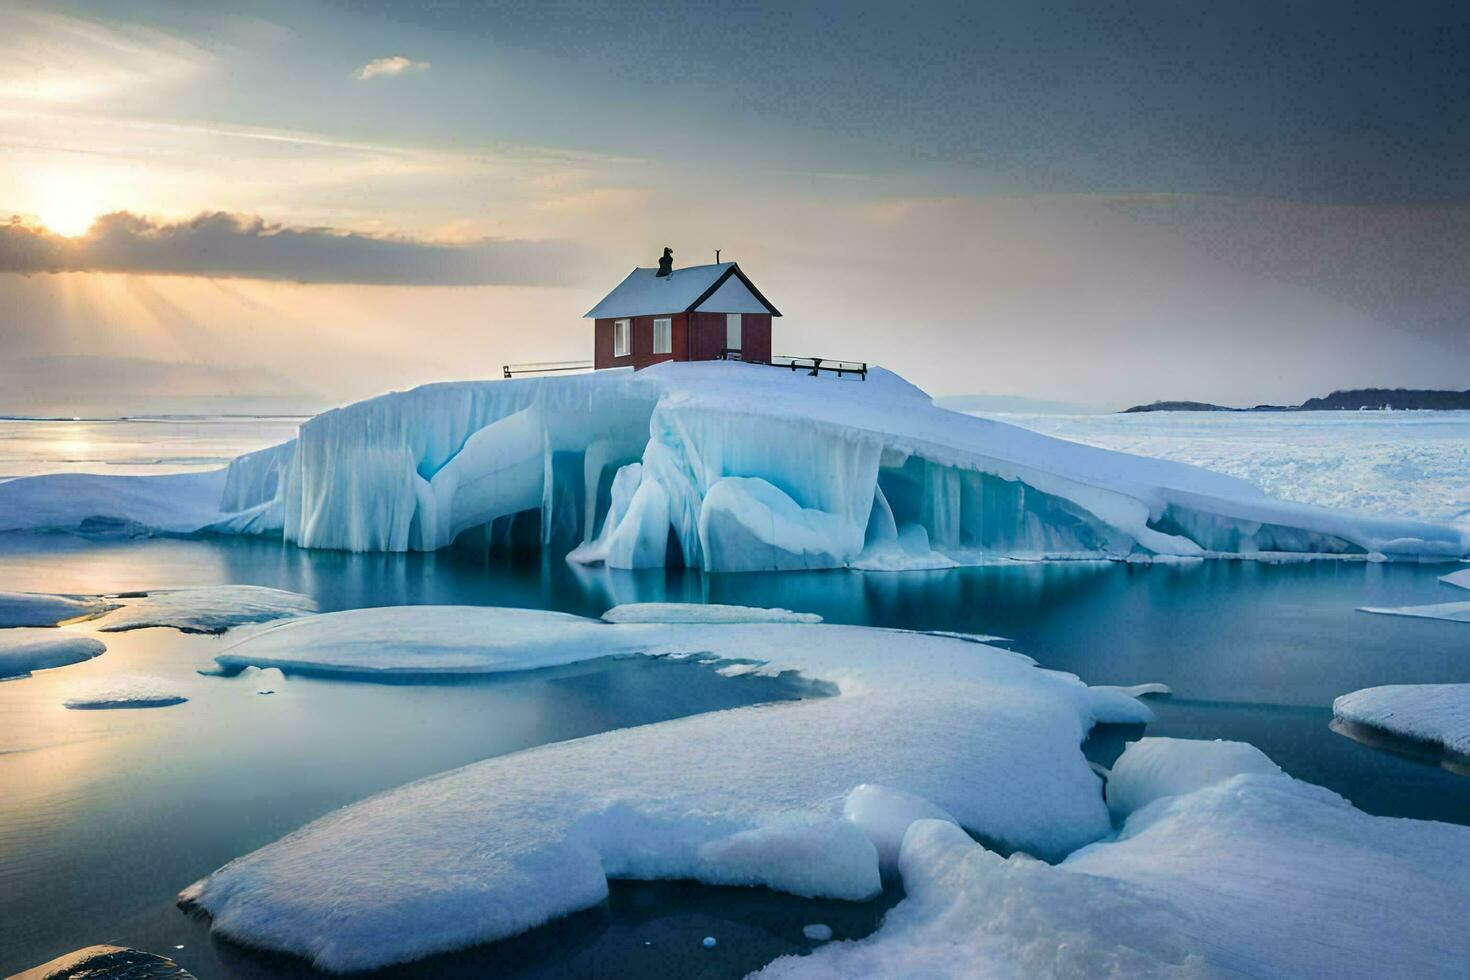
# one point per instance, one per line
(813, 366)
(545, 367)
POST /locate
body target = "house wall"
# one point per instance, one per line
(708, 336)
(641, 354)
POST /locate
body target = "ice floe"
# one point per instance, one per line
(124, 692)
(695, 612)
(1438, 714)
(1460, 579)
(1451, 612)
(206, 609)
(41, 609)
(1250, 873)
(25, 650)
(753, 796)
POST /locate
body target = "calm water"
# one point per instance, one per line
(106, 814)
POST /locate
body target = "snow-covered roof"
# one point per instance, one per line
(645, 293)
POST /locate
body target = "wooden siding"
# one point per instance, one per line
(641, 353)
(695, 337)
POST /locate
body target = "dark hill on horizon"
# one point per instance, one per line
(1351, 400)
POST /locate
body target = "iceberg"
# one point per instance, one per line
(42, 609)
(1437, 714)
(1249, 873)
(762, 795)
(722, 466)
(25, 650)
(205, 609)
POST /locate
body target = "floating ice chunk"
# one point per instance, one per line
(817, 932)
(1153, 689)
(884, 814)
(1153, 768)
(1452, 612)
(41, 609)
(428, 641)
(1460, 578)
(1257, 875)
(209, 609)
(261, 680)
(695, 612)
(751, 795)
(24, 650)
(124, 692)
(709, 942)
(1434, 713)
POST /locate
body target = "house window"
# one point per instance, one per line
(621, 335)
(732, 331)
(663, 336)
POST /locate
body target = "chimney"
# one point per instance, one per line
(666, 264)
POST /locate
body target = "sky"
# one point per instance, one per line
(285, 206)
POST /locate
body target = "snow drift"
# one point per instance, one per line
(723, 466)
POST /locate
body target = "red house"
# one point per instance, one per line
(699, 313)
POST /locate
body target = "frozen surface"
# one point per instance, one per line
(1398, 464)
(210, 609)
(124, 692)
(25, 650)
(1452, 612)
(695, 612)
(111, 504)
(747, 796)
(727, 467)
(1435, 713)
(41, 609)
(1250, 874)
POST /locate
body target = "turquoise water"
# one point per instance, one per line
(106, 814)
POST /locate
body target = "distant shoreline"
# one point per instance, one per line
(1350, 400)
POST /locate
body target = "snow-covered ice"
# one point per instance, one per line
(696, 612)
(204, 609)
(751, 796)
(1152, 689)
(1153, 768)
(723, 466)
(41, 609)
(1251, 873)
(1435, 713)
(25, 650)
(104, 504)
(124, 692)
(1399, 464)
(1451, 612)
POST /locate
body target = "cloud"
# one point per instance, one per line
(221, 244)
(395, 65)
